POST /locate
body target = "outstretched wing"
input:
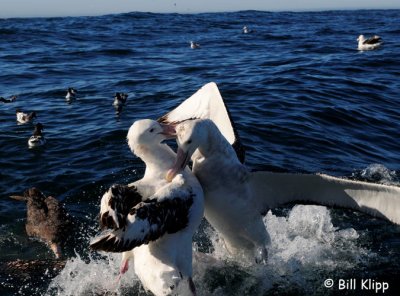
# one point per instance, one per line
(147, 222)
(116, 204)
(275, 189)
(207, 103)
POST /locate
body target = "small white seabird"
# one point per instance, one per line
(246, 30)
(37, 139)
(370, 43)
(24, 117)
(194, 45)
(152, 220)
(227, 184)
(71, 94)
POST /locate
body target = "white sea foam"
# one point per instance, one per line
(304, 244)
(379, 173)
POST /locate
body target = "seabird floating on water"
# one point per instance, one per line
(46, 219)
(246, 30)
(119, 101)
(194, 45)
(153, 220)
(37, 139)
(10, 100)
(370, 43)
(24, 117)
(71, 95)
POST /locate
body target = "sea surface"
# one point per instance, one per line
(303, 98)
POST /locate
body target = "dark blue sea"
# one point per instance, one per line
(303, 98)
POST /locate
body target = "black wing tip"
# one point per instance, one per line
(111, 243)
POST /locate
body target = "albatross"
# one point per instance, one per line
(236, 198)
(370, 43)
(152, 221)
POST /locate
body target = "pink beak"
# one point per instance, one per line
(182, 159)
(168, 130)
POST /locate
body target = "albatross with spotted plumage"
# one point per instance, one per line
(152, 220)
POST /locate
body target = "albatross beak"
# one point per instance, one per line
(168, 130)
(182, 159)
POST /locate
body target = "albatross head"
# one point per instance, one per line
(146, 133)
(361, 38)
(190, 135)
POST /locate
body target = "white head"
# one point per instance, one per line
(361, 38)
(191, 135)
(146, 133)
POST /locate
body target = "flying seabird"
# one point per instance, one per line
(236, 198)
(370, 43)
(47, 219)
(153, 220)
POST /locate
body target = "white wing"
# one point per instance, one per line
(275, 189)
(207, 103)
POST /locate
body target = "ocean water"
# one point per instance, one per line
(302, 97)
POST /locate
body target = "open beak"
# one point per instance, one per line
(182, 159)
(168, 130)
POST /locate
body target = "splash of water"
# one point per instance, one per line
(378, 173)
(305, 247)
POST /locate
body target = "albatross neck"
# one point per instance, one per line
(158, 157)
(216, 144)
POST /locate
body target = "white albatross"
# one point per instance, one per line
(235, 198)
(370, 43)
(152, 220)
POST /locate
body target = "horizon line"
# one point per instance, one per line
(199, 12)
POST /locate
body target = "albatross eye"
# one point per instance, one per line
(151, 130)
(189, 142)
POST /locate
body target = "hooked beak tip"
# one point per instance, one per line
(170, 175)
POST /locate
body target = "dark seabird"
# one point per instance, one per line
(10, 100)
(37, 139)
(119, 101)
(71, 94)
(47, 219)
